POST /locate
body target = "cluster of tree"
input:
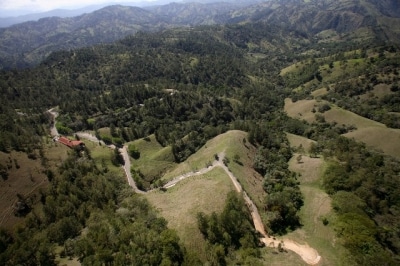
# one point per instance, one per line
(364, 187)
(230, 231)
(170, 83)
(284, 199)
(20, 131)
(353, 89)
(365, 191)
(94, 217)
(187, 87)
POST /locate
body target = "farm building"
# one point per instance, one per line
(70, 143)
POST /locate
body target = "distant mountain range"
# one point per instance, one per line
(28, 43)
(8, 18)
(62, 13)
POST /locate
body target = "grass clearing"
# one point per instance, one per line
(317, 207)
(319, 92)
(291, 68)
(379, 91)
(105, 131)
(235, 145)
(386, 140)
(301, 109)
(344, 117)
(180, 204)
(272, 257)
(102, 156)
(372, 133)
(296, 141)
(154, 159)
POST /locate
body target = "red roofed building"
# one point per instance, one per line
(71, 143)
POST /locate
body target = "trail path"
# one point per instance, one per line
(307, 253)
(53, 129)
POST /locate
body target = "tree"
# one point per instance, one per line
(133, 151)
(314, 150)
(299, 158)
(117, 159)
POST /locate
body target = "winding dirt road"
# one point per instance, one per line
(53, 129)
(307, 253)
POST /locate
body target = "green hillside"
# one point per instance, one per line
(303, 112)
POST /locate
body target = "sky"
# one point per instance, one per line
(46, 5)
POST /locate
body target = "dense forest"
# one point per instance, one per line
(187, 86)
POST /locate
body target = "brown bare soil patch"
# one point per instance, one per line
(26, 177)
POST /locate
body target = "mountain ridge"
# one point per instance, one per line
(24, 45)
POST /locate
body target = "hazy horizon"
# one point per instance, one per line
(10, 8)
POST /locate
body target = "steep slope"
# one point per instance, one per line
(192, 14)
(28, 43)
(364, 21)
(348, 18)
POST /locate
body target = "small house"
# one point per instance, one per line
(71, 143)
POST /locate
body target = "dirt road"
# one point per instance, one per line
(53, 129)
(307, 253)
(127, 169)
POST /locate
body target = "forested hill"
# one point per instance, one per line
(185, 87)
(27, 44)
(134, 71)
(178, 88)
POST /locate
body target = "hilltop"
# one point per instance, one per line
(28, 43)
(304, 116)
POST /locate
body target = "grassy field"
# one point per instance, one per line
(317, 206)
(291, 68)
(207, 193)
(297, 141)
(102, 156)
(344, 117)
(301, 109)
(105, 132)
(372, 133)
(319, 92)
(154, 159)
(386, 140)
(180, 204)
(379, 91)
(235, 145)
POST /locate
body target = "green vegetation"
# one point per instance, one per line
(316, 215)
(150, 161)
(91, 215)
(180, 204)
(232, 229)
(363, 201)
(178, 100)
